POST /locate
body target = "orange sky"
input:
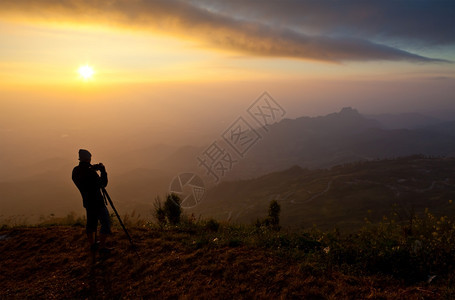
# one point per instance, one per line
(44, 42)
(199, 53)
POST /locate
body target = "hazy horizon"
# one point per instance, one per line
(117, 120)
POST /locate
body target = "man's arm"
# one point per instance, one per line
(75, 177)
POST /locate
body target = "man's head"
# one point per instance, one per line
(85, 156)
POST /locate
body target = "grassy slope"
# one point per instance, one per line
(53, 263)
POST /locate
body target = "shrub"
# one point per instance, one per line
(159, 214)
(212, 225)
(273, 219)
(172, 209)
(410, 251)
(274, 214)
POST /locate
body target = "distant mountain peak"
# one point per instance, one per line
(348, 110)
(346, 116)
(346, 113)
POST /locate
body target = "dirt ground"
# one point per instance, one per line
(55, 263)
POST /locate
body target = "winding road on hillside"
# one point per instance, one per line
(329, 184)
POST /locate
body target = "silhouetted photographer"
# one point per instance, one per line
(90, 184)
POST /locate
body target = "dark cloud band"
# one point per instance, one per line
(427, 22)
(215, 26)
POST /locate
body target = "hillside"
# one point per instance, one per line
(404, 120)
(342, 196)
(53, 263)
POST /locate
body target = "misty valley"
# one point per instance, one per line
(331, 171)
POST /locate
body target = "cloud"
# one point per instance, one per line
(216, 25)
(427, 22)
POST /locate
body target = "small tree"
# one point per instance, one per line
(172, 209)
(273, 219)
(160, 214)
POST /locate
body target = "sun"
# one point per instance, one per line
(86, 72)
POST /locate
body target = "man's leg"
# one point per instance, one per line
(91, 238)
(92, 224)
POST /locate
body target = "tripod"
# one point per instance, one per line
(106, 196)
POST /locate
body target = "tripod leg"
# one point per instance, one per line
(106, 195)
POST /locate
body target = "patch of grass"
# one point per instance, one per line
(409, 251)
(14, 221)
(71, 219)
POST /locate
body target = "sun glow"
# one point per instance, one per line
(86, 72)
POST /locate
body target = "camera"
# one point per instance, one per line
(98, 167)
